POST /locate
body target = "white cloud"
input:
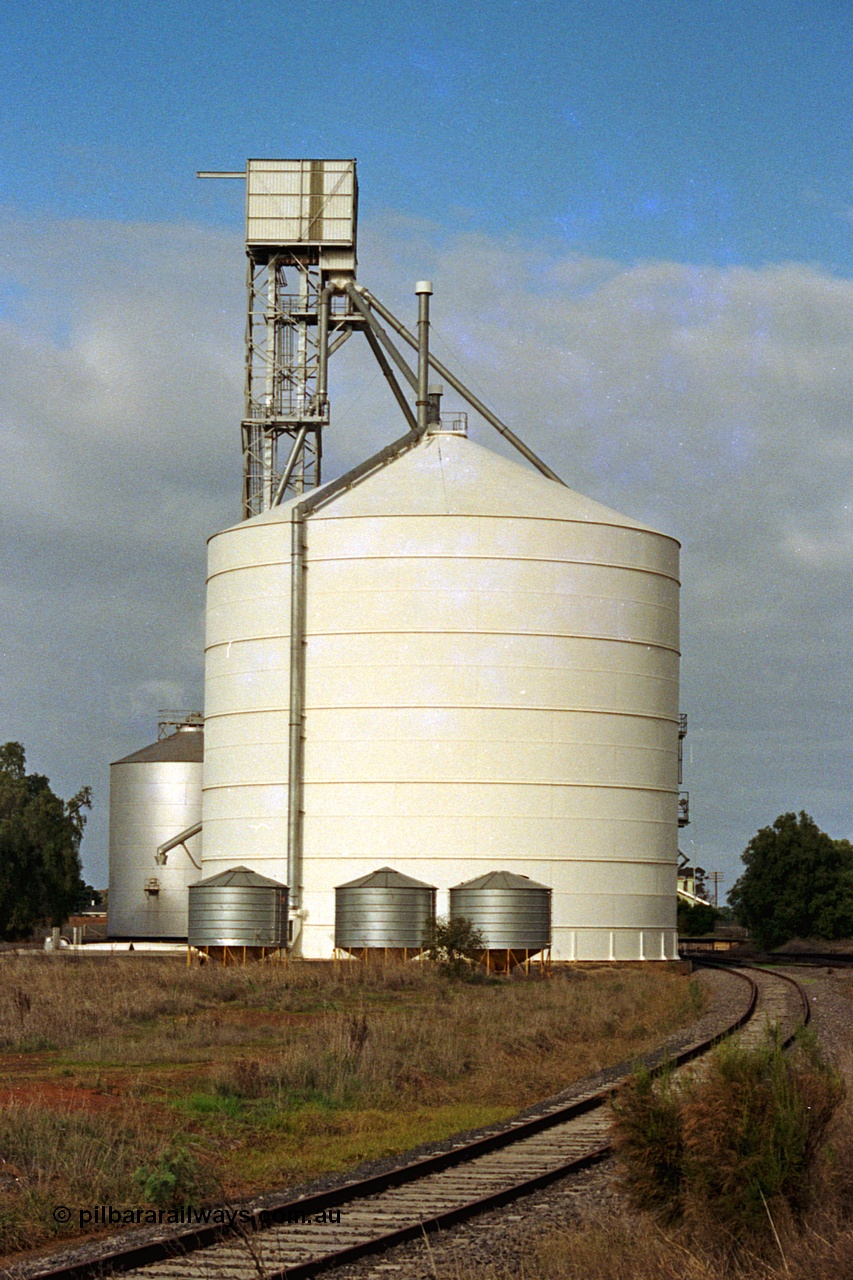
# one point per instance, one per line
(712, 403)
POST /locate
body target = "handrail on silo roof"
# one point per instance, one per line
(172, 719)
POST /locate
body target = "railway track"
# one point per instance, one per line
(303, 1237)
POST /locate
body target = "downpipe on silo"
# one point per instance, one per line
(296, 754)
(298, 613)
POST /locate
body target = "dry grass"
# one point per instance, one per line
(272, 1074)
(79, 1160)
(636, 1250)
(409, 1019)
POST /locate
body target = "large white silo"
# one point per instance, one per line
(491, 680)
(155, 795)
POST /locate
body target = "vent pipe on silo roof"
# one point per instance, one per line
(424, 291)
(436, 390)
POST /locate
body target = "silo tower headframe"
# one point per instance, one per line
(300, 233)
(303, 303)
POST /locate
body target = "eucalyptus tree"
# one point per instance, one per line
(40, 834)
(797, 883)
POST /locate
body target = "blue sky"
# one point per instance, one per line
(706, 132)
(639, 222)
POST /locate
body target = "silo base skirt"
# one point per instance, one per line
(379, 955)
(510, 960)
(235, 954)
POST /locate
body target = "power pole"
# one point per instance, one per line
(716, 877)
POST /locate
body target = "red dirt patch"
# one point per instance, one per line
(61, 1097)
(25, 1063)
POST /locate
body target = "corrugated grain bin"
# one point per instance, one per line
(383, 911)
(512, 912)
(155, 794)
(238, 908)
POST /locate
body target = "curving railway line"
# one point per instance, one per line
(312, 1234)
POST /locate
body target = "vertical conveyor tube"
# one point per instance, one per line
(298, 613)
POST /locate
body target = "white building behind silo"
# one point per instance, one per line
(155, 795)
(491, 683)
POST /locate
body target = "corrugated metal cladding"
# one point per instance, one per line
(383, 910)
(237, 908)
(155, 794)
(291, 202)
(511, 911)
(491, 680)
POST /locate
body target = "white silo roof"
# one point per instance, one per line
(446, 474)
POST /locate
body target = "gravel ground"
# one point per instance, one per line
(502, 1239)
(832, 1010)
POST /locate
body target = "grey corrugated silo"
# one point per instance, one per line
(238, 909)
(155, 794)
(383, 911)
(512, 912)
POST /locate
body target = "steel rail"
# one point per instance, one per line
(181, 1245)
(733, 966)
(792, 960)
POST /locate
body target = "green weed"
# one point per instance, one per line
(723, 1148)
(175, 1178)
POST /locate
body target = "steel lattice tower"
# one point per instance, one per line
(303, 303)
(300, 233)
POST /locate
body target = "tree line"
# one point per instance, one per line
(797, 883)
(40, 834)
